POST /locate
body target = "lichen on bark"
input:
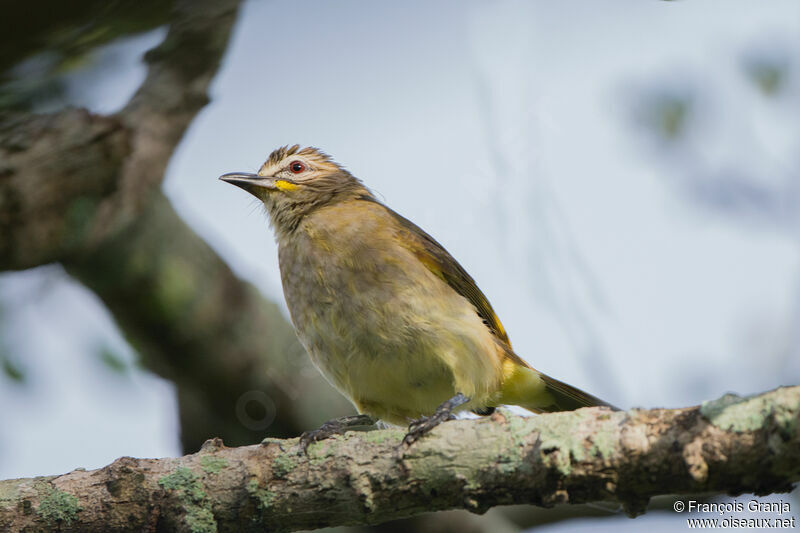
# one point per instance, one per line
(588, 455)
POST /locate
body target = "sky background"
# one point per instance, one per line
(512, 132)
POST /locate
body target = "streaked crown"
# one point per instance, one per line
(299, 163)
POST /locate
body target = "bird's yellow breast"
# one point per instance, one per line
(385, 330)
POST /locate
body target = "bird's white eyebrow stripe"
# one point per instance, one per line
(313, 158)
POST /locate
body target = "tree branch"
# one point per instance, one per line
(84, 189)
(730, 445)
(72, 179)
(237, 364)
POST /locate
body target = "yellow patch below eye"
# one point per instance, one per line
(285, 185)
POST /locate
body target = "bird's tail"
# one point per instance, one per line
(527, 387)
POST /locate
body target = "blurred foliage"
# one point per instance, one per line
(667, 113)
(42, 39)
(678, 117)
(769, 72)
(11, 370)
(113, 361)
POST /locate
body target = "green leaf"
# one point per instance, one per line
(12, 370)
(113, 361)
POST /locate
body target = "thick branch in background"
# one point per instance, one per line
(84, 189)
(91, 176)
(239, 369)
(55, 170)
(731, 445)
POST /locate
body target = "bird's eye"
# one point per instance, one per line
(297, 167)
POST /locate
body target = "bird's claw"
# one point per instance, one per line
(321, 433)
(419, 427)
(333, 427)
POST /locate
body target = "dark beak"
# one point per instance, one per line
(249, 182)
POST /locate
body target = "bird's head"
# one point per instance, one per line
(295, 181)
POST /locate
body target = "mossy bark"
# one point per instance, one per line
(733, 445)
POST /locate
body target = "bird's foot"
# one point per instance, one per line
(337, 426)
(423, 425)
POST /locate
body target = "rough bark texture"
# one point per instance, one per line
(72, 179)
(730, 445)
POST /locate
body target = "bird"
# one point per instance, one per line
(388, 316)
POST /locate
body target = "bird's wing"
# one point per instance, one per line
(524, 382)
(442, 264)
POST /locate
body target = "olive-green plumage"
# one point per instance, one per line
(387, 315)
